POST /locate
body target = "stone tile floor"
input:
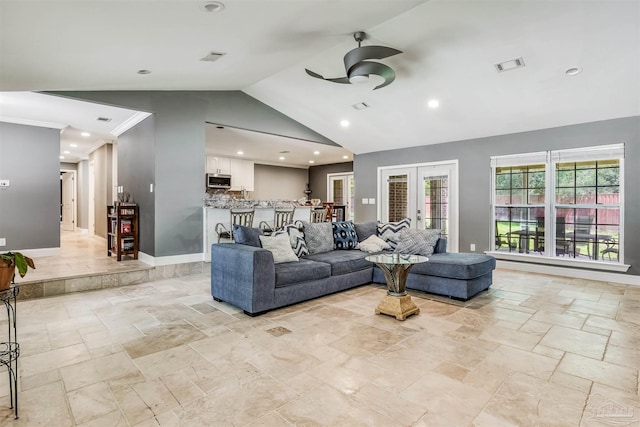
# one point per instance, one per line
(533, 350)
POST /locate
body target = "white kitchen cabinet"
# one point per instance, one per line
(218, 165)
(241, 175)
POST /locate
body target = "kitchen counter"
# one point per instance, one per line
(215, 215)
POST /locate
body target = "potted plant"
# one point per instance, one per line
(9, 261)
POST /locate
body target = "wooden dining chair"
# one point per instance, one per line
(318, 215)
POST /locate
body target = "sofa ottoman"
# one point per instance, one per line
(457, 275)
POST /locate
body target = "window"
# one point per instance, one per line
(565, 203)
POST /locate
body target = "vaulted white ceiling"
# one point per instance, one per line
(450, 48)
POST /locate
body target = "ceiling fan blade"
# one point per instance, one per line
(366, 68)
(334, 80)
(360, 54)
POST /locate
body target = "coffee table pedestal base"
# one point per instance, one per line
(399, 307)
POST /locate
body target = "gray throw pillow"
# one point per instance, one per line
(319, 236)
(247, 236)
(366, 230)
(417, 242)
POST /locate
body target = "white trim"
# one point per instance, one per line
(130, 122)
(29, 122)
(40, 252)
(169, 260)
(82, 230)
(623, 279)
(564, 261)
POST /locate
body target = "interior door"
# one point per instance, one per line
(437, 201)
(68, 201)
(340, 192)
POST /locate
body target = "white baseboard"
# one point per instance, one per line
(604, 276)
(34, 253)
(169, 260)
(83, 230)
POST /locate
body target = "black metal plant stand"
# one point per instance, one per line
(10, 350)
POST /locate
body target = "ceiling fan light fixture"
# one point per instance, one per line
(359, 79)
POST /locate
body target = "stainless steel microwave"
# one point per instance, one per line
(218, 180)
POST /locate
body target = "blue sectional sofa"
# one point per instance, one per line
(247, 277)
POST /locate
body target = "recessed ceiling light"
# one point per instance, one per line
(433, 103)
(213, 6)
(73, 145)
(240, 153)
(316, 153)
(573, 71)
(61, 157)
(344, 123)
(281, 158)
(311, 161)
(345, 157)
(67, 152)
(144, 72)
(85, 134)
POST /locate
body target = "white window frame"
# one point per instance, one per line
(550, 159)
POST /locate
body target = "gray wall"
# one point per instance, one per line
(136, 170)
(318, 178)
(180, 118)
(102, 160)
(475, 173)
(82, 205)
(30, 207)
(277, 182)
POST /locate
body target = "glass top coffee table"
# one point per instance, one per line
(396, 268)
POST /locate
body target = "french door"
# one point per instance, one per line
(426, 193)
(340, 192)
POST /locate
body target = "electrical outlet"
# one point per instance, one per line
(3, 241)
(473, 247)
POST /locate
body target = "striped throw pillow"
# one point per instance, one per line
(390, 231)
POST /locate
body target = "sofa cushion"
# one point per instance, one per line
(389, 231)
(296, 238)
(319, 236)
(366, 229)
(246, 236)
(456, 265)
(343, 262)
(417, 242)
(344, 235)
(373, 244)
(280, 246)
(292, 273)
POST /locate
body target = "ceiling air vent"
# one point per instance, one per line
(213, 56)
(103, 119)
(510, 64)
(360, 106)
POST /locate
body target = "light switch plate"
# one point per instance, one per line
(3, 241)
(365, 201)
(372, 201)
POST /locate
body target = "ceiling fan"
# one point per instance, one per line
(359, 68)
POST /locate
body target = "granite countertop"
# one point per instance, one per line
(228, 203)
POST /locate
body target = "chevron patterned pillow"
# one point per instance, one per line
(296, 238)
(389, 231)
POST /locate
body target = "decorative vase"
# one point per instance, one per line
(6, 274)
